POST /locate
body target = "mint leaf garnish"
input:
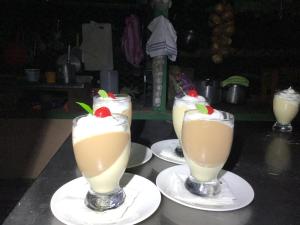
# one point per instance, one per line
(202, 108)
(103, 93)
(85, 107)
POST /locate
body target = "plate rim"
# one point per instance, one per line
(166, 158)
(155, 195)
(148, 154)
(208, 208)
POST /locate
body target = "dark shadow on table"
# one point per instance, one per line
(235, 153)
(136, 128)
(147, 132)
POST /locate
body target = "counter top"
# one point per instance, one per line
(246, 112)
(268, 161)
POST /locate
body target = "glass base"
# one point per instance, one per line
(178, 151)
(282, 128)
(203, 189)
(102, 202)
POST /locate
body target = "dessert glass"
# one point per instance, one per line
(180, 105)
(101, 148)
(285, 108)
(206, 141)
(120, 104)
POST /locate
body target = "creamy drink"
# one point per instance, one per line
(102, 147)
(285, 107)
(180, 106)
(117, 103)
(206, 142)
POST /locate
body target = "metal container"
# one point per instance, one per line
(109, 80)
(32, 75)
(235, 94)
(210, 89)
(67, 73)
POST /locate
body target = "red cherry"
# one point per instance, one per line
(210, 109)
(102, 112)
(193, 93)
(110, 94)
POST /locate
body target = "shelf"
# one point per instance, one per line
(148, 114)
(151, 115)
(43, 86)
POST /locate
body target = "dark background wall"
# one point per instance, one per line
(266, 32)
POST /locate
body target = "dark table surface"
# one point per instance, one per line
(269, 161)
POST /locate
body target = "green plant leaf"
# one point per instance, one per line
(202, 108)
(103, 93)
(86, 107)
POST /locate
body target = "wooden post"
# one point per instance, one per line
(160, 9)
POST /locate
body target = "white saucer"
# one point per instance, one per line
(142, 200)
(239, 189)
(139, 154)
(166, 150)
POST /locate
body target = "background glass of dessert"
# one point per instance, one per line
(180, 105)
(101, 148)
(121, 103)
(285, 108)
(206, 141)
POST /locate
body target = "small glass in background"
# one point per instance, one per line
(285, 108)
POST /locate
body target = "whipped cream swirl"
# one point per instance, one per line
(215, 116)
(117, 105)
(289, 94)
(189, 101)
(199, 98)
(90, 125)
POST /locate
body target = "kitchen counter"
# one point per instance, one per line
(267, 160)
(73, 91)
(245, 112)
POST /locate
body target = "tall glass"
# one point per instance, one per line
(121, 104)
(181, 104)
(101, 148)
(285, 108)
(206, 145)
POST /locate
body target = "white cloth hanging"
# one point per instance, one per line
(163, 38)
(97, 53)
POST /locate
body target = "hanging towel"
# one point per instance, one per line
(163, 38)
(97, 53)
(131, 41)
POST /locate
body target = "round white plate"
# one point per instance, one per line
(166, 150)
(240, 189)
(142, 200)
(139, 155)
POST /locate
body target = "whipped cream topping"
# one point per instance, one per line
(290, 94)
(117, 105)
(90, 125)
(215, 116)
(190, 101)
(199, 98)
